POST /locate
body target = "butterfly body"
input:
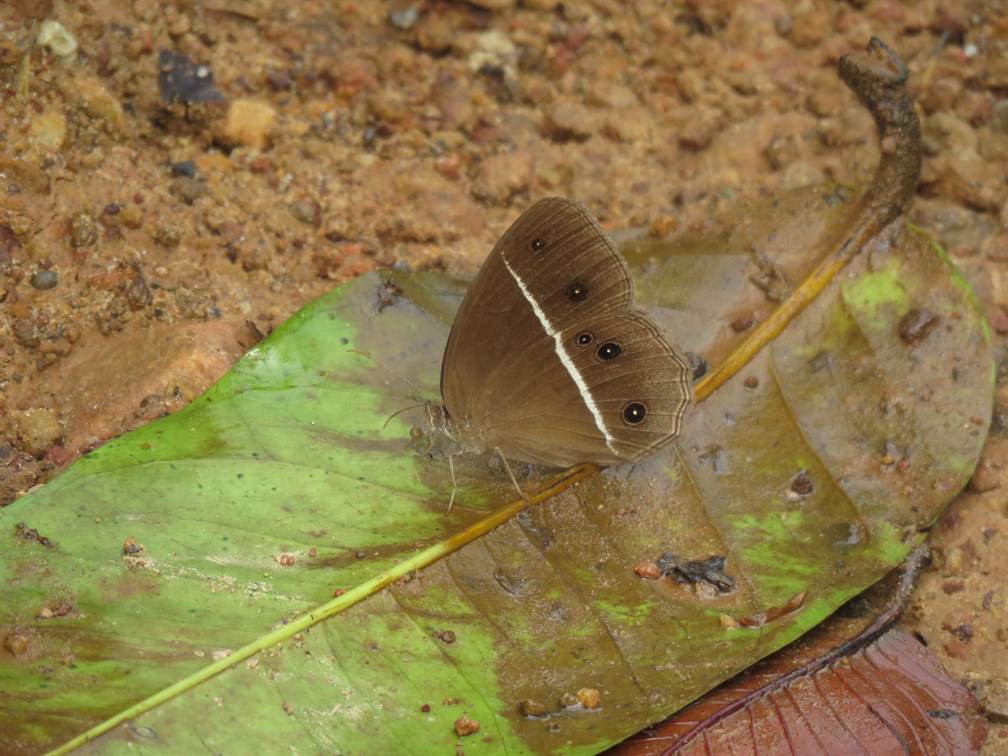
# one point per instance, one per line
(549, 361)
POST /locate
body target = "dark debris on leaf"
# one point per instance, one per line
(181, 80)
(802, 484)
(31, 534)
(698, 366)
(388, 294)
(916, 325)
(709, 570)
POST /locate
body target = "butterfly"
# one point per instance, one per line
(549, 361)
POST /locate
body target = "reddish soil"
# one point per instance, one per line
(146, 244)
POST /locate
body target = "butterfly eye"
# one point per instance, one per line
(538, 245)
(609, 351)
(577, 292)
(634, 413)
(584, 338)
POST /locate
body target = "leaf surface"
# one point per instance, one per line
(280, 485)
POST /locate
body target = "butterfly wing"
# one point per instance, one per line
(517, 372)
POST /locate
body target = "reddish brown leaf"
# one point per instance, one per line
(890, 697)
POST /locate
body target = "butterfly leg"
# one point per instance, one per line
(451, 469)
(507, 467)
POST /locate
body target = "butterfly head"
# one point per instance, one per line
(443, 435)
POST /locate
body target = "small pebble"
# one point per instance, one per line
(466, 726)
(500, 177)
(83, 230)
(648, 570)
(404, 18)
(957, 649)
(590, 698)
(167, 235)
(985, 478)
(38, 429)
(58, 39)
(17, 644)
(959, 560)
(663, 226)
(48, 130)
(248, 123)
(567, 119)
(532, 708)
(307, 211)
(131, 216)
(185, 168)
(45, 279)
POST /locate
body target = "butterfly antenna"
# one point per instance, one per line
(399, 412)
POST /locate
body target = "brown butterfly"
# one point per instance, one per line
(549, 361)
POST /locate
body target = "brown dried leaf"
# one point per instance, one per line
(891, 696)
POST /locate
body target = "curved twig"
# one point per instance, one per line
(878, 77)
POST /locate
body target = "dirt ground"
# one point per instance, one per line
(150, 232)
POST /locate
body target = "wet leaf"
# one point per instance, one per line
(280, 487)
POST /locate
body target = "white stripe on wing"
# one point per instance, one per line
(561, 351)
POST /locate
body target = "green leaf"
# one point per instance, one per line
(287, 457)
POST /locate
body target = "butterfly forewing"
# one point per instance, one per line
(566, 263)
